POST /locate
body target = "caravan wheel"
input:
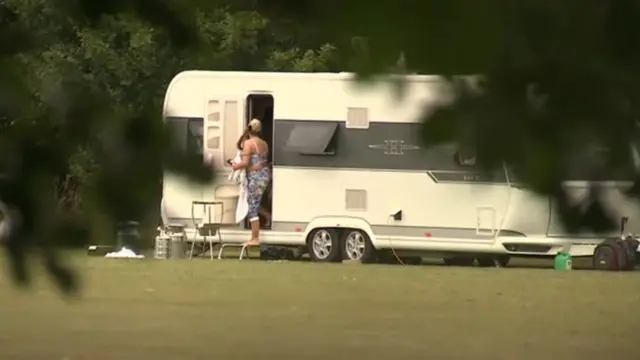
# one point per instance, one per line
(605, 258)
(357, 246)
(324, 245)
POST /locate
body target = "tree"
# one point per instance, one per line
(552, 80)
(86, 87)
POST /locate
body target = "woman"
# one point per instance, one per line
(264, 212)
(254, 160)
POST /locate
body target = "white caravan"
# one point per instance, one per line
(350, 177)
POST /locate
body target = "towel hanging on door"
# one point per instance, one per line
(240, 177)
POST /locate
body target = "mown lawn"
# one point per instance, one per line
(228, 309)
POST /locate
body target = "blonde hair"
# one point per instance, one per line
(253, 128)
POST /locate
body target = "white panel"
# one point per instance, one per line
(423, 202)
(356, 199)
(357, 118)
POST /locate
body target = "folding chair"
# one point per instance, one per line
(207, 227)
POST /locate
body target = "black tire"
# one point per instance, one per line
(324, 245)
(357, 246)
(605, 257)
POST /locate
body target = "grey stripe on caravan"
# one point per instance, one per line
(439, 177)
(366, 150)
(359, 148)
(378, 230)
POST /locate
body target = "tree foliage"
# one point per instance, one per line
(82, 85)
(82, 82)
(555, 80)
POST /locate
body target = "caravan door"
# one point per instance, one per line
(224, 119)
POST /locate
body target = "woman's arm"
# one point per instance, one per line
(246, 153)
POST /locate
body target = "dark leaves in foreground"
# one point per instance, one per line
(37, 149)
(123, 190)
(558, 79)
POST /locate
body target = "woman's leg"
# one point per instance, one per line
(256, 187)
(255, 232)
(253, 198)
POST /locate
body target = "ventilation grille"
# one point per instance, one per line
(357, 118)
(213, 111)
(213, 141)
(213, 126)
(356, 199)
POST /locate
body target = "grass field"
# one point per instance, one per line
(229, 309)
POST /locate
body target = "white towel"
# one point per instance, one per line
(237, 176)
(240, 176)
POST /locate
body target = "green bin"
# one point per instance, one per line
(563, 261)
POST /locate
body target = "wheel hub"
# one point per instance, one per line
(355, 245)
(322, 244)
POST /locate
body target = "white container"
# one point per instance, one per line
(161, 248)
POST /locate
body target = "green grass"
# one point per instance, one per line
(257, 310)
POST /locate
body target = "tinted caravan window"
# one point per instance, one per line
(313, 138)
(189, 133)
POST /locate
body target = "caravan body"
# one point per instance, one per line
(349, 169)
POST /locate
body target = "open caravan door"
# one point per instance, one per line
(223, 125)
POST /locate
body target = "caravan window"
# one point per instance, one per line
(189, 133)
(313, 138)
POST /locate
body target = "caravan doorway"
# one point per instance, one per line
(260, 106)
